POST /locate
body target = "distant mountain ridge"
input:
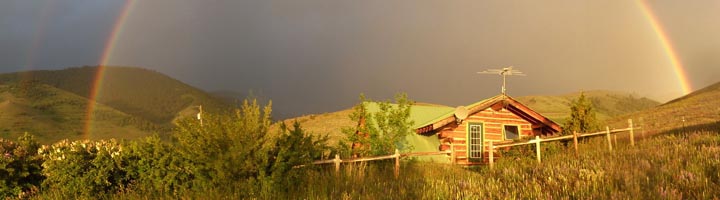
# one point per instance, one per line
(149, 101)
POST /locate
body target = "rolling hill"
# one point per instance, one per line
(52, 114)
(608, 105)
(698, 110)
(133, 102)
(140, 92)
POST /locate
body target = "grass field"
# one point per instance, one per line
(675, 165)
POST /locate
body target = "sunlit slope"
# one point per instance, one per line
(138, 92)
(607, 104)
(697, 110)
(52, 114)
(329, 124)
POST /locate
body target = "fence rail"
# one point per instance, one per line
(491, 154)
(574, 137)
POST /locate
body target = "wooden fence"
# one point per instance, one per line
(574, 137)
(337, 161)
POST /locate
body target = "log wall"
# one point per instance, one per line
(454, 136)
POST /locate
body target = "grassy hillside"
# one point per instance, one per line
(699, 110)
(53, 114)
(608, 104)
(139, 92)
(133, 102)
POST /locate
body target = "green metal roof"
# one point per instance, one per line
(422, 115)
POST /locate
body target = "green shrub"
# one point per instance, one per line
(236, 152)
(83, 168)
(20, 167)
(153, 166)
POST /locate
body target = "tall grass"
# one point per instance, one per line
(666, 167)
(675, 166)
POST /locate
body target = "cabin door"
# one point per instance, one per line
(475, 142)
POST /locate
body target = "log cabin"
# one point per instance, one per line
(465, 131)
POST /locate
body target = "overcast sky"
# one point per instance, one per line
(315, 56)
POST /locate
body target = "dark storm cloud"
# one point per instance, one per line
(317, 55)
(53, 34)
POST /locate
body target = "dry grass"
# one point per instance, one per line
(666, 167)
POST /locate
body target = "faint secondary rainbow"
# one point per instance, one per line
(100, 73)
(667, 46)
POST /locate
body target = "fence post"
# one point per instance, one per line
(397, 163)
(575, 141)
(492, 155)
(632, 132)
(537, 148)
(337, 162)
(607, 134)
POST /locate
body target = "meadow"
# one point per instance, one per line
(676, 165)
(672, 166)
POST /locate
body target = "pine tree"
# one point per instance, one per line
(582, 116)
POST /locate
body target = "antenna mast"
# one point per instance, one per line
(504, 72)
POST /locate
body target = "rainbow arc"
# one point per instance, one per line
(99, 76)
(667, 46)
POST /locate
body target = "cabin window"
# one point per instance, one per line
(511, 132)
(475, 144)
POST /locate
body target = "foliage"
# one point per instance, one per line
(293, 148)
(20, 167)
(155, 167)
(83, 168)
(238, 148)
(227, 153)
(224, 147)
(582, 116)
(381, 132)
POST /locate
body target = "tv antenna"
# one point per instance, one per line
(504, 72)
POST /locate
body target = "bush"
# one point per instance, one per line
(153, 166)
(83, 168)
(293, 148)
(228, 154)
(238, 150)
(20, 167)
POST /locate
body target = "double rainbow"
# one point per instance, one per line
(678, 68)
